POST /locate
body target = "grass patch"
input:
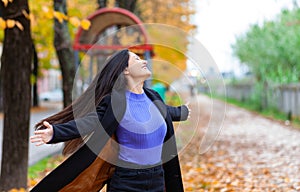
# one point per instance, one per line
(274, 113)
(34, 170)
(243, 104)
(44, 165)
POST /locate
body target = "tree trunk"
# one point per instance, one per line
(102, 3)
(64, 51)
(1, 94)
(15, 73)
(35, 95)
(126, 4)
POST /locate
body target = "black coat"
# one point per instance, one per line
(108, 115)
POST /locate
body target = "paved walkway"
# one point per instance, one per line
(251, 153)
(37, 153)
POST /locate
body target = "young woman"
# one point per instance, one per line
(116, 108)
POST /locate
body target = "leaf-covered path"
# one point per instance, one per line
(251, 153)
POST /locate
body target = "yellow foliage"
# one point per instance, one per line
(29, 16)
(10, 23)
(168, 64)
(85, 24)
(176, 13)
(74, 21)
(13, 190)
(5, 2)
(25, 14)
(19, 25)
(170, 59)
(48, 12)
(17, 190)
(2, 23)
(42, 24)
(32, 182)
(59, 16)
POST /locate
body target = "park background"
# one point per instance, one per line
(253, 43)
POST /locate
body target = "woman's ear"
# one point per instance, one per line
(126, 72)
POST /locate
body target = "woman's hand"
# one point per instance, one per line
(41, 137)
(189, 109)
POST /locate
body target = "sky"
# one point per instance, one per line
(219, 21)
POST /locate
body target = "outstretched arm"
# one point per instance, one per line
(70, 130)
(180, 113)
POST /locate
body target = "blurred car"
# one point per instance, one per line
(53, 95)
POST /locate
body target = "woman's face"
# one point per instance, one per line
(137, 68)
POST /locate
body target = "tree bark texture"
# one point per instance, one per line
(126, 4)
(102, 3)
(64, 51)
(1, 94)
(35, 68)
(15, 75)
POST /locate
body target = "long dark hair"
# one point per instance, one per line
(109, 77)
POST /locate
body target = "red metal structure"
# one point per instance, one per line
(111, 29)
(106, 18)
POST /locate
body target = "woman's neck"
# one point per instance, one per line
(136, 88)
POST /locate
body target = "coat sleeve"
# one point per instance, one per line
(79, 127)
(180, 113)
(74, 165)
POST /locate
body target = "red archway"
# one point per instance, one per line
(111, 29)
(102, 20)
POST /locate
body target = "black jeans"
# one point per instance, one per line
(137, 180)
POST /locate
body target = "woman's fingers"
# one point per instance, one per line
(40, 132)
(39, 144)
(35, 137)
(189, 109)
(47, 124)
(42, 136)
(37, 140)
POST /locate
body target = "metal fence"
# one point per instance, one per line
(286, 98)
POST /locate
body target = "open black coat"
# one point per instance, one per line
(108, 115)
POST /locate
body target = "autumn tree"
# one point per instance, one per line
(1, 95)
(15, 76)
(270, 51)
(64, 51)
(176, 14)
(35, 69)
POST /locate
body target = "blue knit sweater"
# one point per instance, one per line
(141, 131)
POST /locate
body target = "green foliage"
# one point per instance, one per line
(44, 165)
(35, 169)
(271, 50)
